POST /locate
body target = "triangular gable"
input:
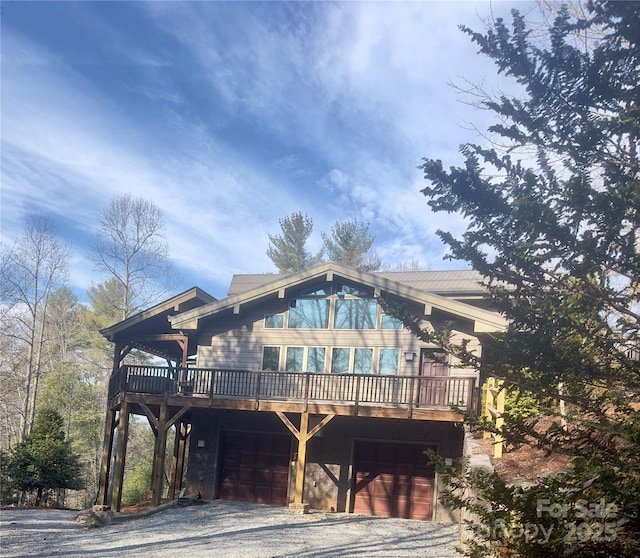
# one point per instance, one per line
(282, 285)
(156, 319)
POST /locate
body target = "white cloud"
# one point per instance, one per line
(336, 104)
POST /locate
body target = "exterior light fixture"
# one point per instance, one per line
(409, 356)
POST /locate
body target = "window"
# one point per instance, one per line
(388, 364)
(356, 313)
(294, 359)
(355, 291)
(315, 359)
(274, 321)
(340, 361)
(362, 362)
(389, 322)
(321, 292)
(309, 313)
(271, 358)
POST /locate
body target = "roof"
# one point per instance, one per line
(253, 288)
(463, 282)
(159, 314)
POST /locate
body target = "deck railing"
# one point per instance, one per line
(439, 392)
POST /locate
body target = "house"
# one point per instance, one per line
(299, 390)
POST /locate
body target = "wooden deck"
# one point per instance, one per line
(441, 398)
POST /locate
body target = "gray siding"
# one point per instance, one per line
(240, 344)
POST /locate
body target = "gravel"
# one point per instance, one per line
(227, 529)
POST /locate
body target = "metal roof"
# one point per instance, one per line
(460, 282)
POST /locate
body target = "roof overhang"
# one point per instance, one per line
(484, 321)
(151, 330)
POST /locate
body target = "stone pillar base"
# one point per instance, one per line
(298, 508)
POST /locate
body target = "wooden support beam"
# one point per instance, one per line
(184, 344)
(303, 435)
(175, 418)
(105, 466)
(285, 419)
(301, 462)
(159, 452)
(151, 417)
(121, 453)
(177, 466)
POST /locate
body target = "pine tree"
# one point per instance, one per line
(554, 216)
(288, 250)
(44, 460)
(350, 244)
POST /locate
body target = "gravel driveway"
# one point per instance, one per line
(225, 529)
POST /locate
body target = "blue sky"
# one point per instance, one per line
(231, 115)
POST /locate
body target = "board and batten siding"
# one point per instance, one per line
(240, 344)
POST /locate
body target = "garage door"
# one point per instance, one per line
(393, 480)
(254, 467)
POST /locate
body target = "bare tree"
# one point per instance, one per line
(32, 269)
(130, 247)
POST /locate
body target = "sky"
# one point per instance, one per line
(232, 115)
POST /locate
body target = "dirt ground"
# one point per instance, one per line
(523, 464)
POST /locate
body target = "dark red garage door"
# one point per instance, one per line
(254, 467)
(393, 480)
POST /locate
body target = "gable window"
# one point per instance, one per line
(355, 291)
(388, 362)
(389, 322)
(274, 321)
(309, 313)
(271, 358)
(356, 313)
(321, 292)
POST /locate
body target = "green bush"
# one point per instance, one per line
(137, 483)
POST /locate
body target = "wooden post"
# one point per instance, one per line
(121, 451)
(303, 435)
(487, 397)
(497, 450)
(105, 466)
(302, 457)
(179, 449)
(159, 453)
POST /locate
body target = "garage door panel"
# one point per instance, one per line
(280, 478)
(393, 480)
(254, 467)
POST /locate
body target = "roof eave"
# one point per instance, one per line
(484, 321)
